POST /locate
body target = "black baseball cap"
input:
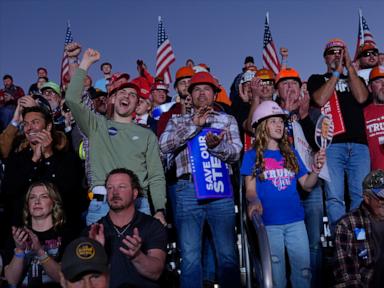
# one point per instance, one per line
(83, 255)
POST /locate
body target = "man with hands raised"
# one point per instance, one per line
(191, 212)
(341, 96)
(117, 142)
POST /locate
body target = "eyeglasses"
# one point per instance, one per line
(369, 53)
(334, 52)
(49, 93)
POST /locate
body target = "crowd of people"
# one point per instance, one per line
(93, 176)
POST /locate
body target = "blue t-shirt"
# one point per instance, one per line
(278, 192)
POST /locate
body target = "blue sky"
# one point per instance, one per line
(218, 33)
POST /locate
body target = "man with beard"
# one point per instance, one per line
(191, 212)
(368, 57)
(51, 92)
(135, 242)
(341, 97)
(15, 91)
(117, 142)
(359, 239)
(183, 78)
(99, 100)
(374, 118)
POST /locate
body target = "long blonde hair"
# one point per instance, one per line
(261, 144)
(58, 218)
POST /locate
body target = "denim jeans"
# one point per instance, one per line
(294, 237)
(313, 209)
(191, 215)
(98, 209)
(209, 265)
(352, 159)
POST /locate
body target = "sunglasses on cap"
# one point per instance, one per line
(375, 181)
(333, 52)
(369, 53)
(267, 83)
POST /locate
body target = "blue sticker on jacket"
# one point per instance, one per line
(359, 233)
(112, 131)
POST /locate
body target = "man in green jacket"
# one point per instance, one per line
(117, 142)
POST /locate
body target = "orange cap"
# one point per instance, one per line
(184, 72)
(288, 73)
(366, 47)
(376, 73)
(265, 74)
(204, 78)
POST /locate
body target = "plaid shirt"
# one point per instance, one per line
(353, 258)
(180, 129)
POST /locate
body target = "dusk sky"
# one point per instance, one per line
(218, 33)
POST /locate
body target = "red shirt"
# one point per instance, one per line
(374, 126)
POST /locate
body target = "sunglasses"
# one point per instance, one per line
(369, 53)
(334, 52)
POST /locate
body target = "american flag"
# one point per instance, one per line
(164, 55)
(365, 35)
(270, 58)
(64, 63)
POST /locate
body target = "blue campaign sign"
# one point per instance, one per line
(210, 174)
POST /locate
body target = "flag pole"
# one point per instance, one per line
(361, 27)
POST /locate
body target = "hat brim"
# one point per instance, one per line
(180, 78)
(52, 88)
(73, 272)
(285, 78)
(125, 85)
(375, 78)
(215, 88)
(256, 123)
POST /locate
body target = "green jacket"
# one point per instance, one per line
(118, 145)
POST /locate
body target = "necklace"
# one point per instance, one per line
(119, 234)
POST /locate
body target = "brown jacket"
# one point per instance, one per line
(6, 140)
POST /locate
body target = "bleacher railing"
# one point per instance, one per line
(256, 255)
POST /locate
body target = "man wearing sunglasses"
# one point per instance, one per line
(359, 239)
(374, 118)
(340, 93)
(368, 57)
